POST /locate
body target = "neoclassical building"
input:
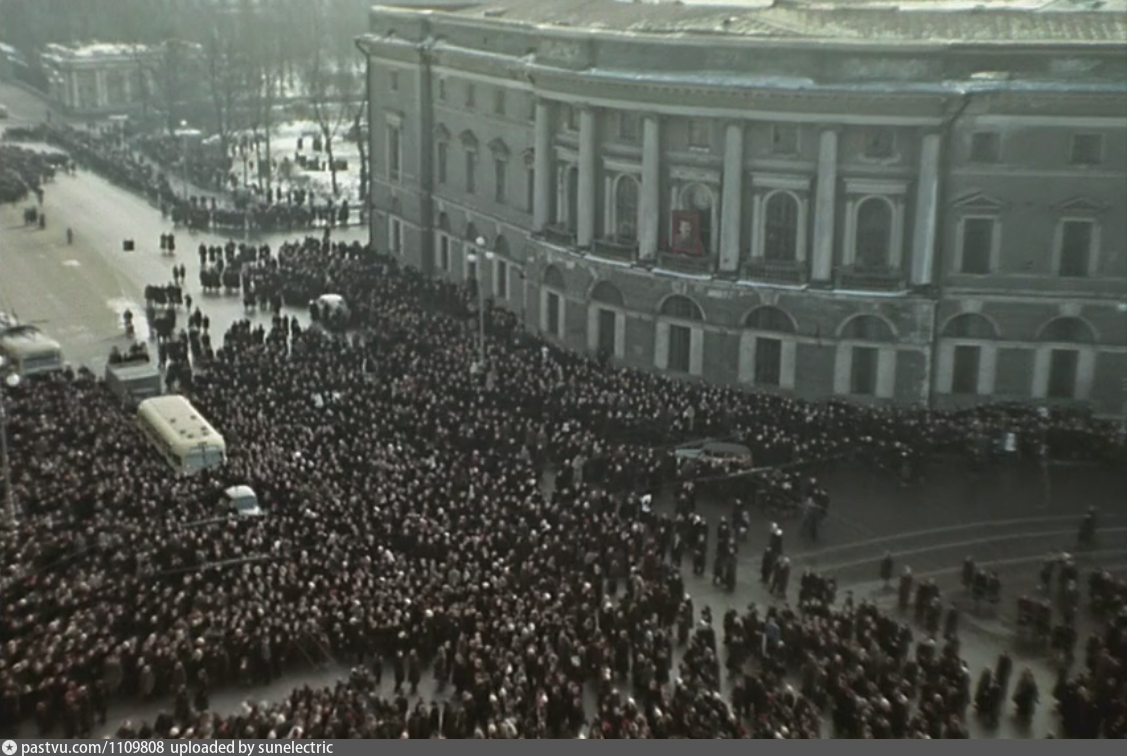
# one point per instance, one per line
(887, 202)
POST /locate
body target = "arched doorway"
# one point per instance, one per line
(866, 358)
(680, 338)
(967, 356)
(553, 303)
(606, 320)
(1065, 362)
(767, 348)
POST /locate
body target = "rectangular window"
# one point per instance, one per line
(784, 139)
(471, 95)
(978, 246)
(680, 348)
(1087, 149)
(964, 373)
(499, 102)
(552, 301)
(863, 379)
(1075, 248)
(571, 118)
(1062, 373)
(394, 81)
(396, 236)
(499, 189)
(471, 172)
(502, 289)
(880, 143)
(394, 152)
(440, 162)
(768, 361)
(700, 133)
(442, 90)
(628, 127)
(530, 189)
(608, 331)
(444, 252)
(985, 147)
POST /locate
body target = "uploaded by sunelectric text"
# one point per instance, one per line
(248, 748)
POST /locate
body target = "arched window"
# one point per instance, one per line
(607, 293)
(626, 208)
(681, 308)
(769, 318)
(780, 228)
(444, 222)
(1068, 330)
(970, 325)
(501, 246)
(553, 279)
(868, 328)
(873, 239)
(471, 233)
(570, 207)
(442, 258)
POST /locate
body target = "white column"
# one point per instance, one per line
(927, 206)
(585, 223)
(649, 206)
(843, 368)
(731, 219)
(825, 207)
(100, 81)
(746, 368)
(542, 167)
(1041, 358)
(945, 368)
(886, 373)
(696, 351)
(620, 335)
(987, 369)
(593, 326)
(661, 345)
(1085, 373)
(787, 364)
(757, 224)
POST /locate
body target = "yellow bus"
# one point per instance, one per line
(180, 434)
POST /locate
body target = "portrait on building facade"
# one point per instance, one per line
(686, 233)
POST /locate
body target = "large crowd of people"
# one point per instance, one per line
(407, 529)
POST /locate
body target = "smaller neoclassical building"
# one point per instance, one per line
(99, 78)
(857, 199)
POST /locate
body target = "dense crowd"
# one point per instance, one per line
(407, 531)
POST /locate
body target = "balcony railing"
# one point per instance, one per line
(559, 234)
(624, 250)
(870, 279)
(777, 271)
(692, 264)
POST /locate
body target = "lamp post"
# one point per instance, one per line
(10, 516)
(473, 258)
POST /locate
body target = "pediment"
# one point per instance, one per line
(529, 157)
(978, 201)
(1081, 206)
(469, 141)
(441, 133)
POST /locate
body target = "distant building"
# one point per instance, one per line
(99, 78)
(889, 202)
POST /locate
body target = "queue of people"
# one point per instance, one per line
(407, 529)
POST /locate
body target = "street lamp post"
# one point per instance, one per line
(478, 274)
(10, 516)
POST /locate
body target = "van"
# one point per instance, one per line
(133, 382)
(240, 502)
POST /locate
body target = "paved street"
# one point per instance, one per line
(1008, 519)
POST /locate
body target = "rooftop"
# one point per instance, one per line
(888, 21)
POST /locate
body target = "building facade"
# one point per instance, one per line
(920, 207)
(99, 78)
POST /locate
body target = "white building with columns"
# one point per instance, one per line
(886, 202)
(99, 78)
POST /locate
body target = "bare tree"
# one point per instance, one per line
(227, 80)
(266, 69)
(331, 86)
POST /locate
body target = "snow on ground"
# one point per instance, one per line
(284, 147)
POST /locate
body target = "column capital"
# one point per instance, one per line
(735, 123)
(834, 129)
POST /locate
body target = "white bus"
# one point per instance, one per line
(180, 434)
(29, 352)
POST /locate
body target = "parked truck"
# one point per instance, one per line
(133, 382)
